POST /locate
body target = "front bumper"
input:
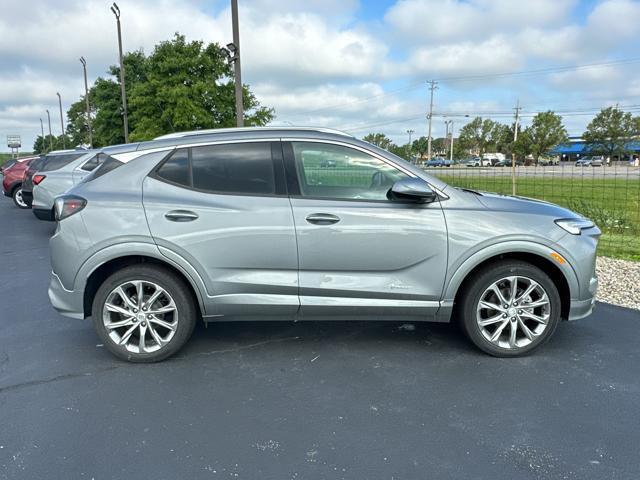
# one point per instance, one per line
(584, 308)
(66, 302)
(44, 214)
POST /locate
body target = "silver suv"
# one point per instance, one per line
(306, 224)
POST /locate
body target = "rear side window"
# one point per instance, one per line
(54, 162)
(105, 167)
(176, 168)
(242, 168)
(94, 162)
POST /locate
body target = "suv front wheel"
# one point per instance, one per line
(143, 314)
(17, 197)
(510, 309)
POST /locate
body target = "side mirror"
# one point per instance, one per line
(412, 189)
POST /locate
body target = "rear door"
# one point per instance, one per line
(224, 209)
(360, 254)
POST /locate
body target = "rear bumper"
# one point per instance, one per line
(66, 302)
(44, 214)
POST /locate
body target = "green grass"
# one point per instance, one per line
(614, 204)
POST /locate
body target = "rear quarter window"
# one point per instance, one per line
(55, 162)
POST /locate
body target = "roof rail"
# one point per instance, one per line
(249, 129)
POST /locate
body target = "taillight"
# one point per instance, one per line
(38, 178)
(67, 205)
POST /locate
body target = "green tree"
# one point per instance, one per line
(188, 86)
(42, 145)
(420, 146)
(522, 146)
(180, 86)
(378, 139)
(477, 135)
(501, 138)
(403, 151)
(610, 131)
(546, 131)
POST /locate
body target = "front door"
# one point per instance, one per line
(360, 254)
(224, 209)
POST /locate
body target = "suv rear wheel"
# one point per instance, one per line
(143, 314)
(510, 309)
(17, 197)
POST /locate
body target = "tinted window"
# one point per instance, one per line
(337, 172)
(244, 168)
(54, 162)
(107, 166)
(176, 169)
(94, 162)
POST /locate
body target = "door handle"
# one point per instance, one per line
(322, 219)
(181, 216)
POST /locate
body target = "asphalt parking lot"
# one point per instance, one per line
(378, 400)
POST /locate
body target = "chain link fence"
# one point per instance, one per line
(609, 195)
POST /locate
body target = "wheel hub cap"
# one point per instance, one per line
(513, 312)
(140, 316)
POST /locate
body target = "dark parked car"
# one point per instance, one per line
(12, 181)
(438, 162)
(507, 163)
(36, 172)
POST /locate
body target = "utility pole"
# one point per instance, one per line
(64, 141)
(433, 85)
(50, 136)
(116, 11)
(513, 156)
(86, 99)
(42, 130)
(450, 138)
(236, 63)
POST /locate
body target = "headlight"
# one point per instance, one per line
(574, 225)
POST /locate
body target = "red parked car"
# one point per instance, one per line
(12, 181)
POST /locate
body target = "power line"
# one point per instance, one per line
(540, 71)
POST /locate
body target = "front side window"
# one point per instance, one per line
(342, 173)
(242, 168)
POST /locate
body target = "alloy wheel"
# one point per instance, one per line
(513, 312)
(19, 200)
(140, 316)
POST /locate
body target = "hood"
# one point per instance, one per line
(495, 201)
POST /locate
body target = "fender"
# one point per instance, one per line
(454, 281)
(112, 252)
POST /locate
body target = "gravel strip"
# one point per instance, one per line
(618, 282)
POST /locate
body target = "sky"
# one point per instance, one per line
(359, 66)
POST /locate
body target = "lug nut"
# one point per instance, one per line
(513, 319)
(148, 317)
(135, 310)
(144, 324)
(504, 315)
(519, 311)
(144, 309)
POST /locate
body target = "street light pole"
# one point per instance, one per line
(42, 130)
(451, 145)
(116, 11)
(433, 85)
(86, 99)
(64, 141)
(50, 136)
(236, 64)
(410, 132)
(448, 123)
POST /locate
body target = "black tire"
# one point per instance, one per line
(175, 287)
(16, 195)
(476, 286)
